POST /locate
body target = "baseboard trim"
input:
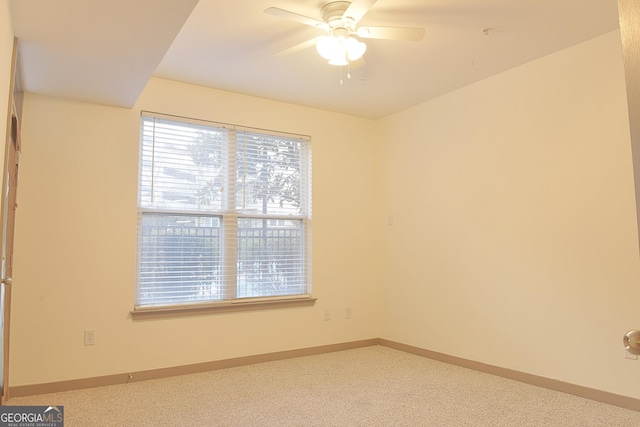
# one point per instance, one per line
(55, 387)
(556, 385)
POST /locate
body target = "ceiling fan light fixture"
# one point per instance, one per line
(355, 48)
(327, 46)
(339, 50)
(340, 54)
(339, 60)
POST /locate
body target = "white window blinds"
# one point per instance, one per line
(224, 213)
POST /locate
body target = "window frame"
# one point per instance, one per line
(228, 214)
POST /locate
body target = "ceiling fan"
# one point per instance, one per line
(340, 21)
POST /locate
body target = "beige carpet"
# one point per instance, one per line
(372, 386)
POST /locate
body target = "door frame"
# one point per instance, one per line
(12, 141)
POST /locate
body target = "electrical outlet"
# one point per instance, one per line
(327, 315)
(89, 337)
(347, 312)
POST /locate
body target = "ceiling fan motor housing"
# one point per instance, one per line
(333, 15)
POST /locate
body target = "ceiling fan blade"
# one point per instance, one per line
(281, 13)
(358, 8)
(391, 33)
(298, 47)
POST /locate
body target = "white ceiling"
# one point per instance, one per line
(105, 51)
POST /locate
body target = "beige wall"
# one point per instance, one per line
(76, 240)
(514, 238)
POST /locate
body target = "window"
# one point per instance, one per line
(224, 213)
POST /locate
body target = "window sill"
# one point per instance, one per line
(223, 307)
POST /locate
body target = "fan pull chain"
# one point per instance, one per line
(348, 73)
